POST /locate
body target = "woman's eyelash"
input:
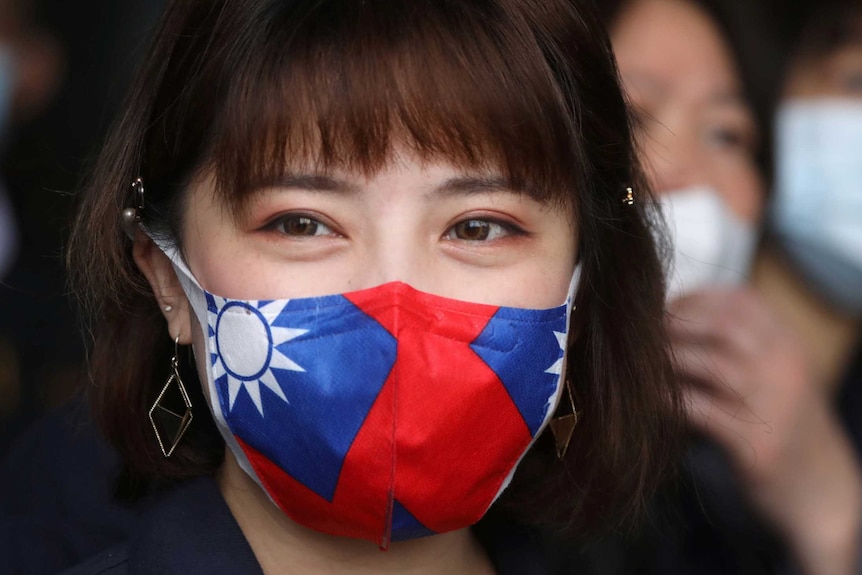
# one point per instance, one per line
(298, 225)
(479, 229)
(733, 138)
(475, 229)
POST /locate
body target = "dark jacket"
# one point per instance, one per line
(58, 510)
(56, 496)
(191, 530)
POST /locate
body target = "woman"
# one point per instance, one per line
(751, 384)
(463, 174)
(817, 214)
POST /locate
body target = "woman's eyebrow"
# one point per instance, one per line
(730, 97)
(458, 186)
(314, 183)
(467, 185)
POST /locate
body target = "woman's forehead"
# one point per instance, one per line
(433, 177)
(671, 47)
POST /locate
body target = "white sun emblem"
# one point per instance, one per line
(245, 343)
(557, 368)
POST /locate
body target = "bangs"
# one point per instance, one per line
(346, 85)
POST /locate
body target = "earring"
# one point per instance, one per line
(172, 409)
(131, 217)
(168, 308)
(629, 200)
(563, 426)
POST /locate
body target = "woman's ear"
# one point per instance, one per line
(172, 300)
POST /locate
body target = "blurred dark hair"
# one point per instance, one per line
(526, 85)
(746, 28)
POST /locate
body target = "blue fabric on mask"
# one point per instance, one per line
(817, 213)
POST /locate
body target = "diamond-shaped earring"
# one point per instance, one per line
(563, 426)
(172, 410)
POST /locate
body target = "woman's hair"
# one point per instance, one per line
(529, 86)
(755, 50)
(825, 28)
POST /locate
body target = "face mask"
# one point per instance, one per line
(817, 212)
(384, 414)
(712, 247)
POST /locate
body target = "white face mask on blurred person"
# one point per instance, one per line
(817, 210)
(712, 247)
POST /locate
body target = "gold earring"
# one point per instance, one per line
(629, 200)
(168, 406)
(563, 426)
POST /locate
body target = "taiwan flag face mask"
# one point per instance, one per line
(384, 414)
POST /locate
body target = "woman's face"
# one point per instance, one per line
(457, 234)
(697, 128)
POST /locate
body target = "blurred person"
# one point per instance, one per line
(29, 71)
(55, 508)
(817, 217)
(752, 387)
(30, 62)
(98, 44)
(813, 267)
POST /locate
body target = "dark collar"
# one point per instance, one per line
(191, 530)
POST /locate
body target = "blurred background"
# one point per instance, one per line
(64, 68)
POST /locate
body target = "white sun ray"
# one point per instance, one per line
(557, 368)
(233, 386)
(274, 358)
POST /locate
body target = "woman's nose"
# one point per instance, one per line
(399, 258)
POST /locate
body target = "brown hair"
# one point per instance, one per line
(833, 25)
(526, 85)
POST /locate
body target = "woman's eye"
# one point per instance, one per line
(728, 139)
(478, 231)
(301, 226)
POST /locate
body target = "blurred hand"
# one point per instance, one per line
(751, 388)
